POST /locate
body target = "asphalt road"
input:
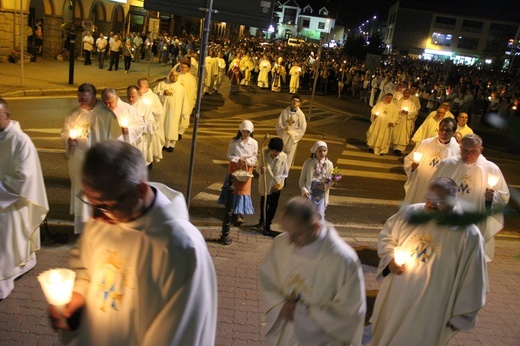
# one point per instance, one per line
(370, 192)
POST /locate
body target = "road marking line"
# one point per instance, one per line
(368, 155)
(51, 151)
(215, 187)
(45, 138)
(44, 130)
(350, 162)
(354, 201)
(375, 175)
(202, 199)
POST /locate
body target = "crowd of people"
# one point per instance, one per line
(140, 264)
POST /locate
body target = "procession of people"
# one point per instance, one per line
(139, 252)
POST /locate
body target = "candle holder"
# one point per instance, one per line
(73, 134)
(57, 285)
(124, 129)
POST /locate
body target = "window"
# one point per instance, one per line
(289, 15)
(321, 25)
(441, 39)
(502, 30)
(445, 23)
(472, 26)
(470, 43)
(392, 17)
(306, 23)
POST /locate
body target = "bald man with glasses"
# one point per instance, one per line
(144, 275)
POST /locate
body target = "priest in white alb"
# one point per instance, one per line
(89, 123)
(152, 100)
(150, 127)
(176, 108)
(481, 186)
(131, 122)
(144, 275)
(433, 272)
(420, 164)
(23, 201)
(429, 127)
(311, 283)
(384, 116)
(407, 115)
(291, 127)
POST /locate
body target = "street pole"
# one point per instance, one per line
(202, 56)
(21, 44)
(72, 46)
(316, 72)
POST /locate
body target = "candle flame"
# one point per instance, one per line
(124, 122)
(400, 255)
(492, 180)
(73, 133)
(57, 285)
(417, 156)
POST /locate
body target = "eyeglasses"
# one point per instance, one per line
(434, 199)
(103, 207)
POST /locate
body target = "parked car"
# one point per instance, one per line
(295, 42)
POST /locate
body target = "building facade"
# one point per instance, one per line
(422, 30)
(310, 20)
(19, 19)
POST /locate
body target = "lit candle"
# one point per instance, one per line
(405, 109)
(57, 285)
(73, 134)
(124, 129)
(492, 180)
(513, 108)
(400, 255)
(146, 101)
(417, 156)
(377, 114)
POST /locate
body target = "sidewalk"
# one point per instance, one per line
(23, 315)
(47, 77)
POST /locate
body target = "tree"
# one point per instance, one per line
(355, 46)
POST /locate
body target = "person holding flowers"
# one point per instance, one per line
(317, 177)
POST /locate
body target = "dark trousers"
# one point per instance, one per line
(87, 57)
(128, 61)
(114, 60)
(101, 59)
(271, 206)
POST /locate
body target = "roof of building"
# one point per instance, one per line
(330, 5)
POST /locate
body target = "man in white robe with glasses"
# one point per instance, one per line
(144, 275)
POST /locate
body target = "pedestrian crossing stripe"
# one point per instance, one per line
(371, 164)
(379, 162)
(358, 153)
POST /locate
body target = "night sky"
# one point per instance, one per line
(354, 12)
